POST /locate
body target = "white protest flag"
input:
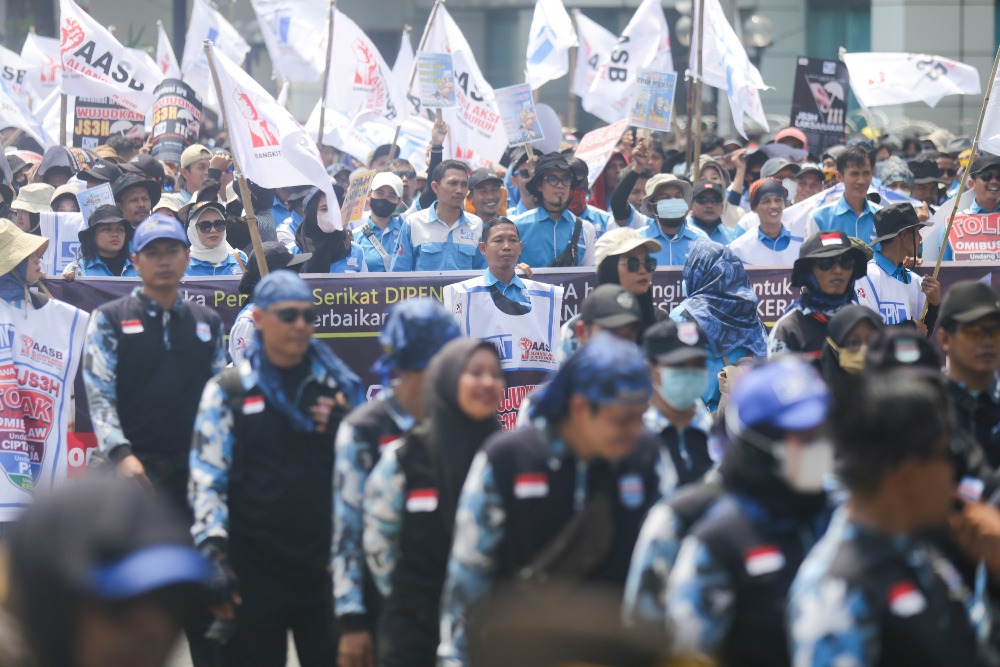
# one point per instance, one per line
(47, 113)
(989, 133)
(596, 43)
(270, 147)
(294, 32)
(878, 79)
(41, 56)
(477, 135)
(14, 74)
(725, 65)
(401, 71)
(207, 23)
(361, 85)
(644, 44)
(13, 113)
(549, 41)
(165, 58)
(95, 64)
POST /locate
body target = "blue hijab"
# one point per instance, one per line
(12, 283)
(815, 299)
(721, 300)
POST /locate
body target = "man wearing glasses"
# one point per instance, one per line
(706, 211)
(551, 234)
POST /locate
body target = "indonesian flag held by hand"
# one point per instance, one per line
(95, 64)
(165, 58)
(270, 147)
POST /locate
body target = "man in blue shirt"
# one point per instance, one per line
(668, 199)
(443, 237)
(985, 174)
(852, 213)
(548, 230)
(706, 211)
(378, 234)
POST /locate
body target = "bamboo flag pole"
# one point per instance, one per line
(244, 189)
(573, 55)
(326, 73)
(695, 164)
(392, 149)
(965, 177)
(62, 118)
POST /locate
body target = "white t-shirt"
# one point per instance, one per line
(752, 251)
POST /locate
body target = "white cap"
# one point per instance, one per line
(390, 179)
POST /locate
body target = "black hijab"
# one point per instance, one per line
(326, 248)
(451, 437)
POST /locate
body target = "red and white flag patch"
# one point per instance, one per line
(253, 405)
(906, 600)
(531, 485)
(132, 326)
(830, 239)
(422, 500)
(763, 560)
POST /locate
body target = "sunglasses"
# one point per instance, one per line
(409, 175)
(979, 333)
(290, 315)
(553, 180)
(826, 263)
(633, 264)
(707, 201)
(949, 172)
(523, 173)
(217, 225)
(988, 176)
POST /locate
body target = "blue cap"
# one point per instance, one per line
(159, 226)
(279, 286)
(786, 393)
(413, 333)
(606, 370)
(148, 570)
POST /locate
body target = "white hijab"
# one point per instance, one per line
(215, 255)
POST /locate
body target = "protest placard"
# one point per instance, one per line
(176, 120)
(597, 146)
(652, 104)
(435, 80)
(976, 237)
(62, 230)
(356, 196)
(96, 119)
(90, 199)
(517, 110)
(819, 102)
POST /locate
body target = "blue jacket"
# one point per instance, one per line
(389, 238)
(544, 239)
(428, 244)
(675, 249)
(95, 266)
(230, 266)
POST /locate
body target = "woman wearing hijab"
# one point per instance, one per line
(64, 199)
(332, 251)
(20, 265)
(826, 269)
(722, 301)
(848, 333)
(211, 254)
(412, 493)
(104, 246)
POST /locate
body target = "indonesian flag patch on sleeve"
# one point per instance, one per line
(763, 560)
(422, 500)
(531, 485)
(253, 405)
(906, 600)
(132, 326)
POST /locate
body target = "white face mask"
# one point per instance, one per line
(805, 467)
(671, 209)
(792, 186)
(324, 222)
(905, 192)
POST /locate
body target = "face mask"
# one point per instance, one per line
(805, 467)
(879, 166)
(905, 192)
(852, 361)
(382, 208)
(577, 202)
(791, 186)
(324, 222)
(671, 209)
(681, 387)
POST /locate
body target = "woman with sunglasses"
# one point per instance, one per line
(825, 271)
(211, 254)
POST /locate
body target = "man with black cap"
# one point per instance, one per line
(927, 181)
(136, 197)
(102, 171)
(609, 308)
(552, 235)
(706, 211)
(668, 199)
(559, 500)
(148, 166)
(984, 175)
(808, 182)
(103, 246)
(969, 335)
(382, 156)
(261, 486)
(520, 170)
(890, 289)
(487, 196)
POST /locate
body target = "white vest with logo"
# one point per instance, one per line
(895, 301)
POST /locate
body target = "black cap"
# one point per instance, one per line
(669, 342)
(548, 162)
(895, 218)
(968, 301)
(610, 306)
(847, 317)
(984, 162)
(580, 171)
(383, 150)
(483, 175)
(148, 165)
(707, 186)
(925, 170)
(517, 156)
(957, 145)
(102, 170)
(17, 164)
(277, 257)
(130, 181)
(827, 244)
(892, 347)
(105, 214)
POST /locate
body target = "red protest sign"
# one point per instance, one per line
(976, 237)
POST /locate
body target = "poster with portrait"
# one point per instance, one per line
(819, 102)
(435, 80)
(517, 110)
(652, 103)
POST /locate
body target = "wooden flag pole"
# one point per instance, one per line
(392, 149)
(62, 119)
(695, 164)
(571, 106)
(244, 189)
(326, 74)
(965, 177)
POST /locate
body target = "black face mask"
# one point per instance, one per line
(382, 208)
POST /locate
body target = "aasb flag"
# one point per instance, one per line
(294, 32)
(207, 23)
(272, 149)
(725, 65)
(549, 40)
(165, 58)
(595, 43)
(644, 44)
(878, 79)
(95, 64)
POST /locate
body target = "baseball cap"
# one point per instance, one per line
(792, 133)
(193, 153)
(392, 180)
(483, 175)
(786, 393)
(130, 181)
(895, 218)
(891, 347)
(810, 168)
(620, 241)
(669, 342)
(610, 306)
(159, 226)
(776, 164)
(280, 286)
(102, 170)
(984, 162)
(968, 301)
(413, 333)
(707, 186)
(148, 165)
(827, 244)
(277, 257)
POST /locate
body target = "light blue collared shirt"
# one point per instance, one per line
(839, 215)
(675, 249)
(514, 290)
